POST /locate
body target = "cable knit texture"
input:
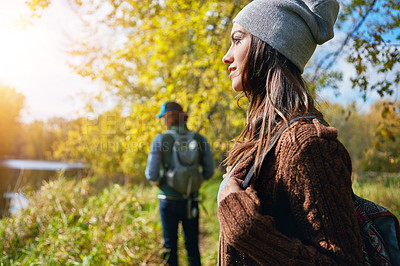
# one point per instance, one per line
(299, 211)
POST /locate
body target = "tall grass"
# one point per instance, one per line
(383, 189)
(71, 222)
(68, 223)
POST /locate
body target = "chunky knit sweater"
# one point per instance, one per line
(299, 211)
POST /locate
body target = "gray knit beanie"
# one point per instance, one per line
(293, 27)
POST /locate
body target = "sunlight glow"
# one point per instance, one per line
(33, 60)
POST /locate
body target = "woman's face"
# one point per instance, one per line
(237, 55)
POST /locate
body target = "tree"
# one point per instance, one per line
(11, 105)
(353, 129)
(160, 51)
(95, 140)
(371, 41)
(384, 155)
(37, 140)
(166, 41)
(372, 139)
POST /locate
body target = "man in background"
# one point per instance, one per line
(179, 160)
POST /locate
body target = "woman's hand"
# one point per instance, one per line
(232, 185)
(228, 170)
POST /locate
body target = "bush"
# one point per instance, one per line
(68, 223)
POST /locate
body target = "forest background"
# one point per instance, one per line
(172, 50)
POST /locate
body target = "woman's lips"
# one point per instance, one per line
(231, 71)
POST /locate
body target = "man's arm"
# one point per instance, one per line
(154, 159)
(207, 159)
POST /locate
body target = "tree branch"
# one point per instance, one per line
(336, 54)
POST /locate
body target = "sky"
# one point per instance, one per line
(33, 61)
(347, 95)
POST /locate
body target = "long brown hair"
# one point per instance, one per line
(276, 92)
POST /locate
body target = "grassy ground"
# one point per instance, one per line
(382, 189)
(70, 222)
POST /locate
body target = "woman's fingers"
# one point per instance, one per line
(231, 186)
(234, 183)
(228, 170)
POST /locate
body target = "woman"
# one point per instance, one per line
(298, 207)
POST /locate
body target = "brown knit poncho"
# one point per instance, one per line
(299, 211)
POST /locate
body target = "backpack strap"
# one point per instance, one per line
(178, 136)
(165, 144)
(272, 143)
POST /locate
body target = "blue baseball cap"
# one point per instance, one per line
(169, 107)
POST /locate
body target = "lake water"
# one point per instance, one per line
(40, 165)
(29, 175)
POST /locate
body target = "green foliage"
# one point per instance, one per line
(11, 104)
(353, 130)
(372, 139)
(95, 140)
(368, 34)
(372, 29)
(158, 51)
(209, 226)
(385, 153)
(328, 79)
(36, 140)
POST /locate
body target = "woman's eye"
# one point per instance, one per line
(236, 40)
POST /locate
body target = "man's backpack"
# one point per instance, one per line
(379, 228)
(183, 174)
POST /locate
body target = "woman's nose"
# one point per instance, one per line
(228, 58)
